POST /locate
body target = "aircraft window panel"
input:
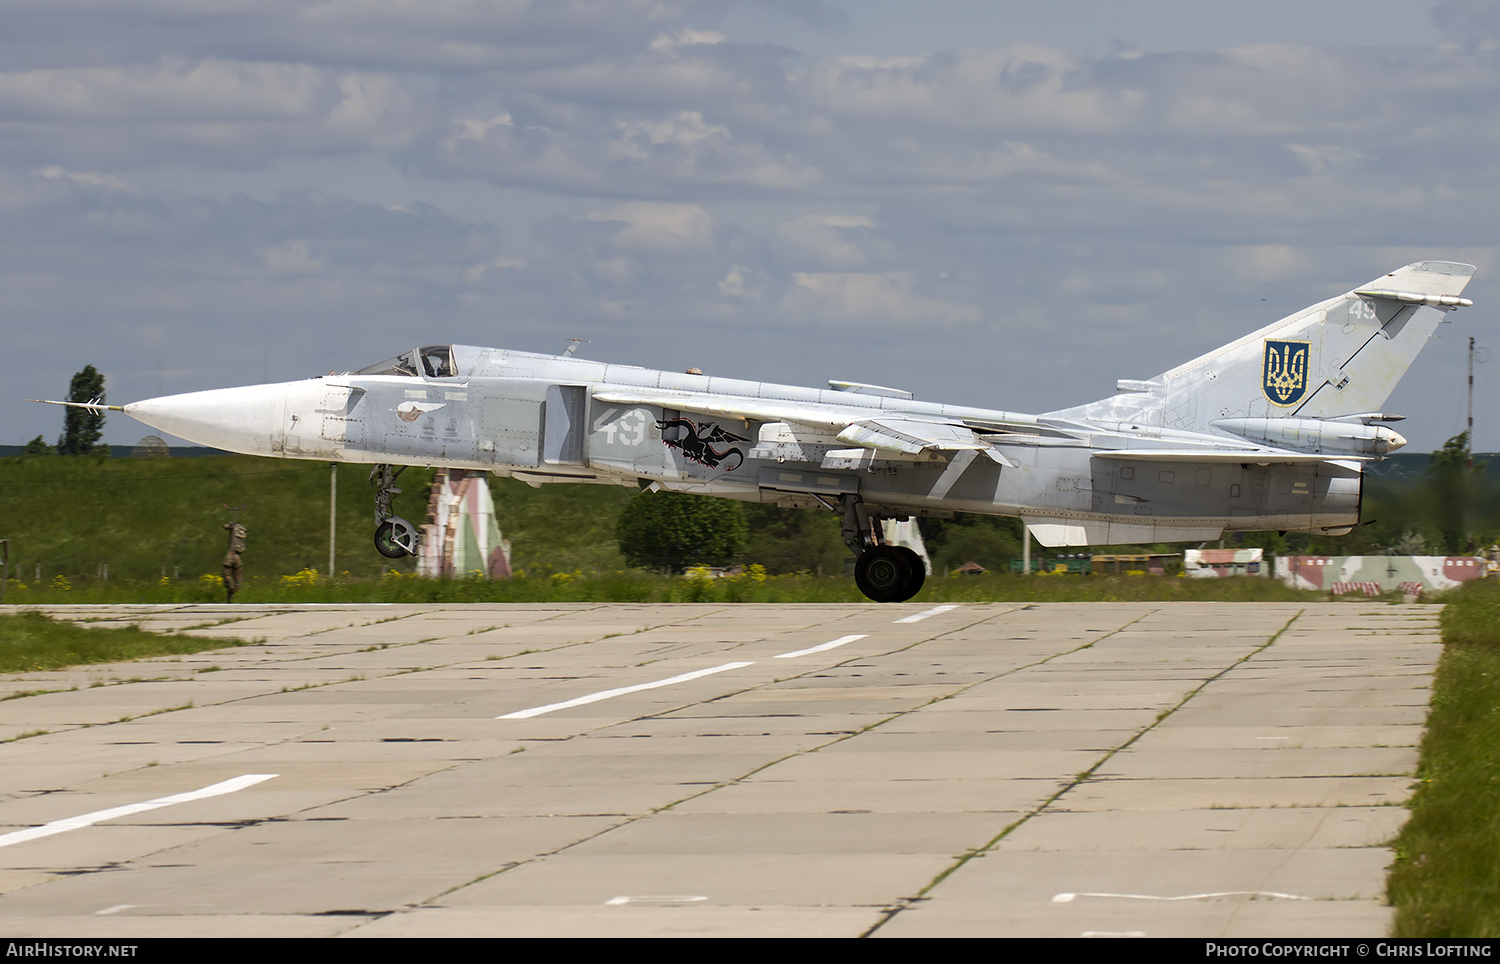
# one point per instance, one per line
(437, 361)
(466, 359)
(403, 364)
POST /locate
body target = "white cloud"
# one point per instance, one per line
(737, 284)
(290, 257)
(91, 178)
(876, 299)
(659, 227)
(1325, 156)
(219, 112)
(674, 42)
(828, 240)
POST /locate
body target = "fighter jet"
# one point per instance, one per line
(1268, 432)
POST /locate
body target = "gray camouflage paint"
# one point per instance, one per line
(1204, 448)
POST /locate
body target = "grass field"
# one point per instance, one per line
(1446, 880)
(633, 585)
(33, 641)
(145, 519)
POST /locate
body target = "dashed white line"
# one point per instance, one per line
(1113, 934)
(833, 644)
(621, 691)
(89, 819)
(918, 617)
(1066, 898)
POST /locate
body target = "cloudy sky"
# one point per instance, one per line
(999, 204)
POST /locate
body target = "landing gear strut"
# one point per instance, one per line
(883, 572)
(394, 536)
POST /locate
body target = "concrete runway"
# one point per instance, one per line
(1187, 769)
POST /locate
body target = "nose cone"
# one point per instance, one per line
(244, 420)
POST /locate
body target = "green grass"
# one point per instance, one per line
(634, 585)
(145, 518)
(1446, 880)
(32, 641)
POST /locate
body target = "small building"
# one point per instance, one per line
(1219, 563)
(1373, 575)
(1153, 563)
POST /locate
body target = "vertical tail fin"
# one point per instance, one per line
(1341, 357)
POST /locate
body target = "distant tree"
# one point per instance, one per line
(83, 428)
(991, 541)
(1455, 484)
(38, 446)
(676, 531)
(794, 540)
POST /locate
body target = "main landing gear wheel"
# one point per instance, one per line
(918, 572)
(395, 538)
(889, 573)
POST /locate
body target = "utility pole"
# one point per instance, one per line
(1469, 437)
(333, 512)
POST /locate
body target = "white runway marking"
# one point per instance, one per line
(89, 819)
(1065, 898)
(618, 901)
(825, 646)
(918, 617)
(621, 691)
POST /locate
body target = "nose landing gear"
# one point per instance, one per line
(394, 536)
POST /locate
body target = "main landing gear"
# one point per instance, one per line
(883, 572)
(394, 536)
(889, 573)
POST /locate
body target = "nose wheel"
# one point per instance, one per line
(394, 536)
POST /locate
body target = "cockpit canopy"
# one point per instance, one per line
(434, 361)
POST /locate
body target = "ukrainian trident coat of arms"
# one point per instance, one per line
(1284, 380)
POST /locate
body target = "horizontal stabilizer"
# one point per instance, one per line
(1438, 280)
(1415, 297)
